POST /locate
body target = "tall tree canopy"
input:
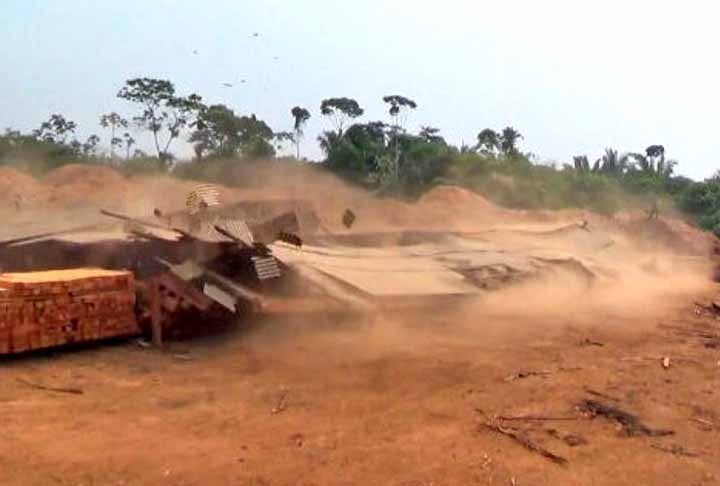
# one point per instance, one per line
(300, 117)
(114, 122)
(431, 134)
(488, 141)
(222, 133)
(341, 111)
(56, 129)
(399, 105)
(162, 110)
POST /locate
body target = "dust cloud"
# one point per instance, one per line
(624, 272)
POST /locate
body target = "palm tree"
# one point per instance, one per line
(508, 141)
(611, 163)
(581, 163)
(655, 163)
(614, 163)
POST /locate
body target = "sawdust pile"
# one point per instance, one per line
(456, 198)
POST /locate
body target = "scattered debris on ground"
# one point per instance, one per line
(571, 440)
(281, 403)
(535, 418)
(707, 425)
(675, 449)
(601, 394)
(631, 424)
(590, 342)
(526, 374)
(298, 439)
(54, 389)
(525, 441)
(143, 343)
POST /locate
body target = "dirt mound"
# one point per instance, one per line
(79, 184)
(455, 208)
(675, 235)
(456, 197)
(18, 189)
(89, 187)
(97, 176)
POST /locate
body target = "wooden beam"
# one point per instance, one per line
(155, 313)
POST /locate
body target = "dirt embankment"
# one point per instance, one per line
(79, 190)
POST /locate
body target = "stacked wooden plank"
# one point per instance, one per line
(52, 308)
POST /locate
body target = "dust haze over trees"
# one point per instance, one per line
(380, 155)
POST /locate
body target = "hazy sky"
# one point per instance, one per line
(573, 76)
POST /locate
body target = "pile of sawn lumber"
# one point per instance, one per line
(53, 308)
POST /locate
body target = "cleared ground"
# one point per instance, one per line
(374, 401)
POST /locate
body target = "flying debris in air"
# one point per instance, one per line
(276, 58)
(348, 218)
(227, 85)
(195, 52)
(255, 34)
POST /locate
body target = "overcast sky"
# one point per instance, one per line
(573, 76)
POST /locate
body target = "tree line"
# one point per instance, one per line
(381, 155)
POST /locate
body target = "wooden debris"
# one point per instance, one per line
(590, 342)
(73, 391)
(281, 404)
(538, 418)
(601, 395)
(666, 362)
(143, 343)
(57, 307)
(348, 218)
(527, 374)
(675, 449)
(707, 425)
(662, 358)
(570, 439)
(574, 440)
(298, 439)
(481, 412)
(711, 308)
(631, 424)
(525, 441)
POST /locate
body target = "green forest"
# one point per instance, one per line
(382, 156)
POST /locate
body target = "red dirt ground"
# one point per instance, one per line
(370, 401)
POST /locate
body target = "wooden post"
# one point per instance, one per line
(155, 313)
